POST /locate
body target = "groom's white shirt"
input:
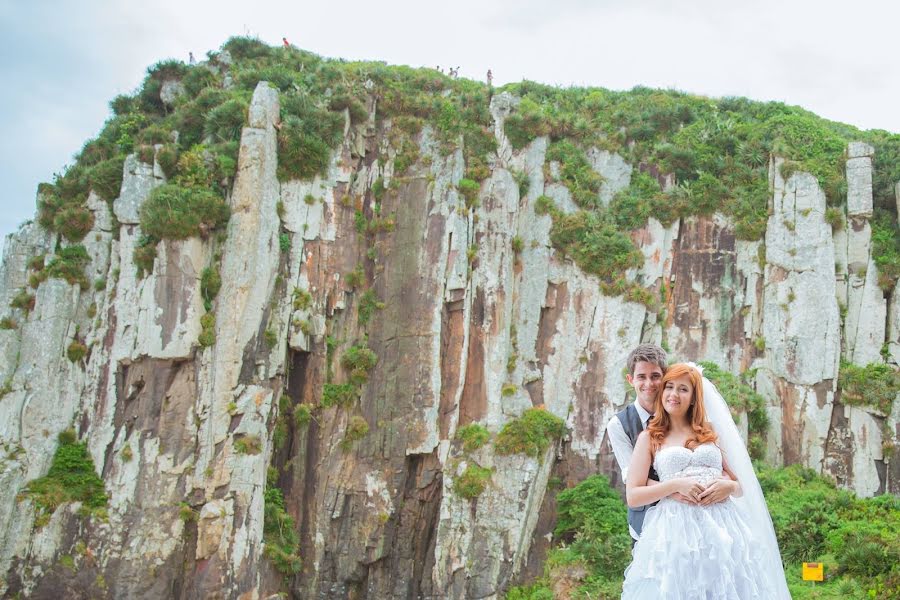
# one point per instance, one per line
(621, 445)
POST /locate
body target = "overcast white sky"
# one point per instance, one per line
(62, 61)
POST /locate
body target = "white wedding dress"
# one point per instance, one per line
(689, 552)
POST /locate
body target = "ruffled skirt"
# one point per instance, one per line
(689, 552)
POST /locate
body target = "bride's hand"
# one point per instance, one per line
(718, 491)
(689, 487)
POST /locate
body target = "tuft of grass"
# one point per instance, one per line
(357, 429)
(473, 436)
(875, 385)
(71, 478)
(368, 304)
(359, 360)
(530, 434)
(23, 301)
(207, 335)
(210, 284)
(339, 394)
(76, 351)
(247, 444)
(176, 212)
(282, 542)
(473, 481)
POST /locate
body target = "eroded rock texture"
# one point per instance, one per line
(470, 331)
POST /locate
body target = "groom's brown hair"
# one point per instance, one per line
(650, 353)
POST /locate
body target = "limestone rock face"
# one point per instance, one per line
(471, 316)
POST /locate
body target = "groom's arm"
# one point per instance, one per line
(622, 448)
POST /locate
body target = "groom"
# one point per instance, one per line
(646, 366)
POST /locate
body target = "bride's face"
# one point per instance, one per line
(677, 395)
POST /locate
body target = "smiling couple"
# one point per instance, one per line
(695, 507)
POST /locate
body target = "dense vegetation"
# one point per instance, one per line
(857, 539)
(72, 478)
(694, 155)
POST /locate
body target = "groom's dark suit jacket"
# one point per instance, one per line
(631, 423)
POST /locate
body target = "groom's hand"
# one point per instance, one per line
(681, 498)
(718, 491)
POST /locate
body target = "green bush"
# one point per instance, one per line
(595, 245)
(106, 178)
(530, 434)
(473, 436)
(73, 222)
(72, 478)
(875, 385)
(357, 429)
(69, 264)
(207, 335)
(343, 394)
(886, 248)
(76, 351)
(247, 444)
(175, 212)
(23, 301)
(225, 122)
(280, 536)
(576, 173)
(210, 284)
(359, 360)
(145, 255)
(472, 482)
(368, 304)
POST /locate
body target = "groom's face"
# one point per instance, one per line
(645, 382)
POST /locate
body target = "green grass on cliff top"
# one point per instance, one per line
(715, 152)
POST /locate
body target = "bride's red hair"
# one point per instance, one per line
(659, 425)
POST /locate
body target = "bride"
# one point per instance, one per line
(702, 548)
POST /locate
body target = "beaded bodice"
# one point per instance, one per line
(704, 462)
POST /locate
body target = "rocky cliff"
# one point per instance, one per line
(271, 400)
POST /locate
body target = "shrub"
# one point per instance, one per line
(145, 255)
(473, 436)
(72, 478)
(302, 415)
(106, 178)
(225, 122)
(875, 385)
(576, 173)
(167, 157)
(339, 394)
(210, 284)
(302, 299)
(282, 543)
(207, 335)
(359, 360)
(356, 277)
(175, 212)
(530, 434)
(595, 244)
(68, 264)
(73, 222)
(247, 444)
(368, 304)
(23, 300)
(270, 337)
(357, 429)
(472, 482)
(76, 351)
(469, 190)
(8, 323)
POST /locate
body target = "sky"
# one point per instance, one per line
(62, 61)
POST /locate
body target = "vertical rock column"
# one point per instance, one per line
(249, 267)
(802, 345)
(864, 329)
